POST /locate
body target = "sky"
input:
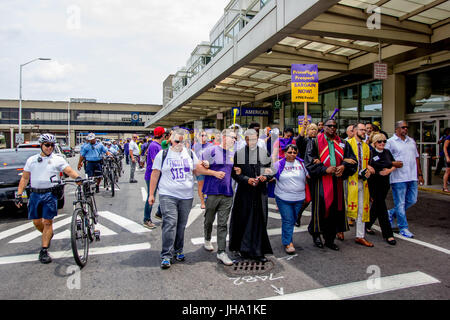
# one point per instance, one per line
(117, 51)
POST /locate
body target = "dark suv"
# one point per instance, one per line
(12, 162)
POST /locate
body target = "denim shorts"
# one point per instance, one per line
(200, 177)
(42, 205)
(93, 168)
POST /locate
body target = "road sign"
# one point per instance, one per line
(20, 138)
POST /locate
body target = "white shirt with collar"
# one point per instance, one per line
(405, 151)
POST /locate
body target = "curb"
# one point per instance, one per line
(433, 190)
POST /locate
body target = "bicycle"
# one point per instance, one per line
(109, 174)
(84, 218)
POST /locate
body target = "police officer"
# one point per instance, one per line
(93, 152)
(43, 203)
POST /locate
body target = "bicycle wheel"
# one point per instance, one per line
(112, 180)
(79, 237)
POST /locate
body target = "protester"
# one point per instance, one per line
(198, 148)
(358, 196)
(369, 130)
(447, 162)
(134, 153)
(217, 166)
(320, 126)
(126, 151)
(328, 211)
(384, 164)
(350, 133)
(248, 224)
(290, 193)
(302, 141)
(173, 172)
(404, 180)
(153, 149)
(281, 143)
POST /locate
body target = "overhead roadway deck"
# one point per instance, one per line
(332, 34)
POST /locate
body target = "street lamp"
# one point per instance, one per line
(20, 91)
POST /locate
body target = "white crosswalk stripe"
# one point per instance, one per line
(362, 288)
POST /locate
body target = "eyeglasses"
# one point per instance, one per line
(292, 152)
(381, 141)
(404, 127)
(49, 145)
(331, 126)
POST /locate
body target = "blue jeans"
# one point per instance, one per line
(148, 207)
(405, 195)
(175, 213)
(289, 211)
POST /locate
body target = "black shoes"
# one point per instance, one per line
(262, 259)
(391, 242)
(44, 257)
(133, 181)
(318, 242)
(332, 246)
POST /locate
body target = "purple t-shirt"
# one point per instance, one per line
(219, 160)
(153, 150)
(199, 148)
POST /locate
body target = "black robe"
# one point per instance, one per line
(248, 224)
(336, 221)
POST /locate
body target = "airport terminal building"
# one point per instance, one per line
(247, 64)
(75, 118)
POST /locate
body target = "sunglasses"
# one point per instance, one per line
(404, 127)
(331, 126)
(381, 141)
(292, 152)
(48, 145)
(176, 141)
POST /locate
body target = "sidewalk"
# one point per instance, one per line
(436, 185)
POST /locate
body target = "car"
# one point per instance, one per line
(12, 162)
(67, 151)
(35, 144)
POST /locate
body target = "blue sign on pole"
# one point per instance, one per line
(251, 112)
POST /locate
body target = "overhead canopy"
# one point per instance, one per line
(341, 37)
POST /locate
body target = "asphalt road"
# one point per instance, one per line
(125, 264)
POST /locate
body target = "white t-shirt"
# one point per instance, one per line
(291, 184)
(405, 151)
(177, 178)
(40, 172)
(134, 148)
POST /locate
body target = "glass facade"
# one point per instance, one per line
(428, 91)
(77, 117)
(362, 102)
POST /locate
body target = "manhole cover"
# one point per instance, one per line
(250, 267)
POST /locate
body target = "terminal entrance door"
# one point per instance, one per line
(426, 133)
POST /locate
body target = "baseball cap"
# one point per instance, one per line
(159, 131)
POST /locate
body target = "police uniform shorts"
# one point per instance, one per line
(93, 168)
(42, 205)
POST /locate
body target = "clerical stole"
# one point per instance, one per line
(327, 180)
(352, 183)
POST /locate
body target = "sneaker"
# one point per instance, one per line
(150, 225)
(158, 216)
(406, 233)
(44, 257)
(133, 181)
(180, 257)
(223, 257)
(208, 246)
(165, 264)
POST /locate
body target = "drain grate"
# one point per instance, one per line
(250, 267)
